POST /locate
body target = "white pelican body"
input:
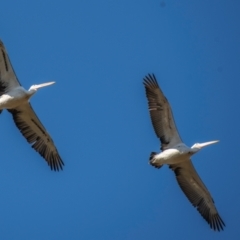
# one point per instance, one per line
(15, 99)
(177, 155)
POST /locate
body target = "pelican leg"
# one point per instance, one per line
(153, 161)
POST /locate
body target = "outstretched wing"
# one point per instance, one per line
(32, 129)
(8, 78)
(197, 193)
(161, 114)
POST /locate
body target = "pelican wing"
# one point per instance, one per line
(32, 129)
(197, 193)
(8, 78)
(161, 114)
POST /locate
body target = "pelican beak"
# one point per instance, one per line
(201, 145)
(41, 85)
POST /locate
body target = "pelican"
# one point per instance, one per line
(177, 155)
(15, 99)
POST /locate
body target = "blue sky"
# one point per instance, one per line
(98, 52)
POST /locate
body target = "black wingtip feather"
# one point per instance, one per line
(53, 158)
(150, 81)
(213, 219)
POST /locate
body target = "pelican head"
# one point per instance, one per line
(34, 88)
(198, 146)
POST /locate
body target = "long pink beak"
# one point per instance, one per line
(201, 145)
(41, 85)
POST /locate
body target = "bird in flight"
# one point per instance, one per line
(15, 99)
(177, 155)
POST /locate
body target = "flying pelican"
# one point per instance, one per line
(15, 99)
(177, 155)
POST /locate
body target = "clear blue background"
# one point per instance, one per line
(98, 52)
